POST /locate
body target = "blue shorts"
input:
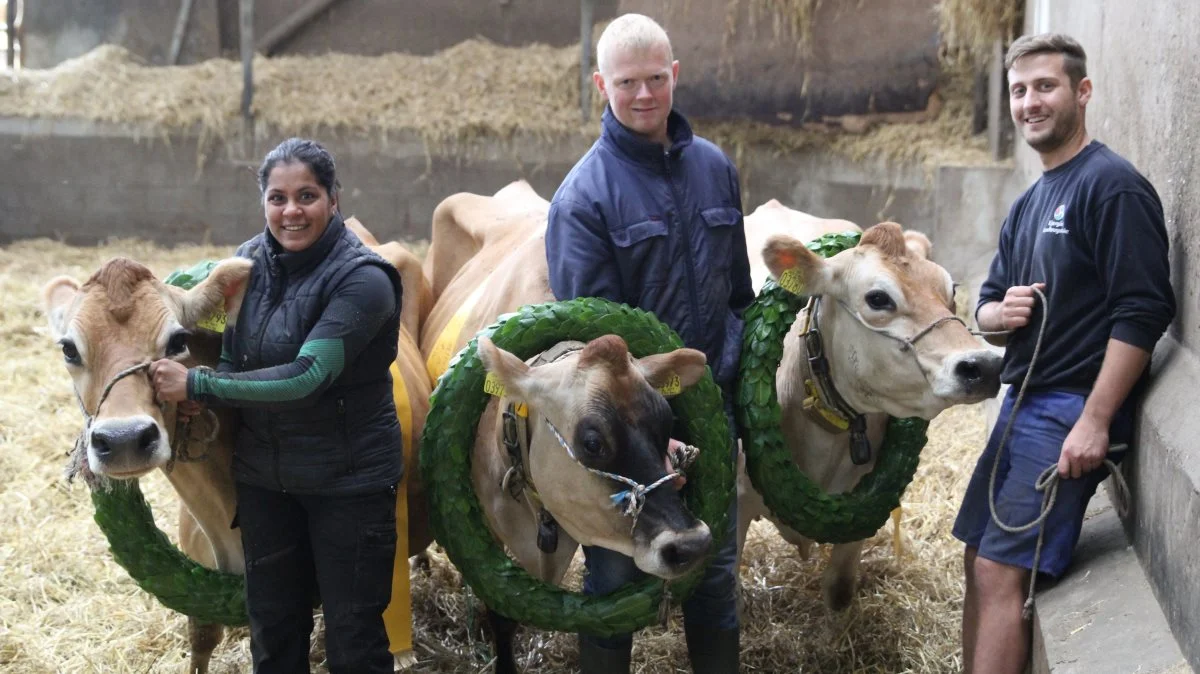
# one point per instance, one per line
(1041, 427)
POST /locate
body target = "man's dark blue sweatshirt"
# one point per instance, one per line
(1092, 230)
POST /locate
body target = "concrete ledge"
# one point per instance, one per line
(1102, 617)
(1164, 473)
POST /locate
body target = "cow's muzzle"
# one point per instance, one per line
(673, 553)
(973, 375)
(127, 446)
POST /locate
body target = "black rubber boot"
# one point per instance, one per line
(596, 659)
(713, 651)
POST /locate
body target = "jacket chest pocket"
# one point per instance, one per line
(643, 252)
(719, 222)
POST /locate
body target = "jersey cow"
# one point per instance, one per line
(122, 317)
(588, 408)
(886, 324)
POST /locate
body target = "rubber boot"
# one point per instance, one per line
(713, 651)
(596, 659)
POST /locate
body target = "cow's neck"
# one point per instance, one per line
(822, 454)
(205, 487)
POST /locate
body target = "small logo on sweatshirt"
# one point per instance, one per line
(1055, 225)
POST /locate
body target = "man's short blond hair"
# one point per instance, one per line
(629, 32)
(1074, 58)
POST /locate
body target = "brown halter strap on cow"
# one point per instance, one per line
(1047, 481)
(828, 399)
(179, 442)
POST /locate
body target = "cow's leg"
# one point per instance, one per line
(202, 637)
(750, 505)
(840, 581)
(503, 631)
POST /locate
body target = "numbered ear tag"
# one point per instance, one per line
(790, 281)
(215, 322)
(493, 387)
(672, 387)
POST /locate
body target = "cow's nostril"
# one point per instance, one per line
(968, 370)
(148, 438)
(100, 444)
(686, 549)
(671, 556)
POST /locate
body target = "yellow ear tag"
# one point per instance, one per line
(493, 387)
(215, 322)
(790, 281)
(672, 387)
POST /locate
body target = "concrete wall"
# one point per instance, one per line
(85, 182)
(1146, 106)
(56, 30)
(735, 63)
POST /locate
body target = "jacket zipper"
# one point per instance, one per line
(343, 435)
(686, 226)
(273, 306)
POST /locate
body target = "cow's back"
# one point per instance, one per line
(774, 218)
(501, 269)
(466, 225)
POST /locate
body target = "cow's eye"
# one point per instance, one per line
(880, 301)
(71, 353)
(593, 444)
(178, 343)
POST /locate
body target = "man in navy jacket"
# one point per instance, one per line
(651, 216)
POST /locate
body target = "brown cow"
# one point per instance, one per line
(588, 407)
(123, 316)
(894, 347)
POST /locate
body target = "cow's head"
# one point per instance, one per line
(120, 317)
(605, 404)
(876, 297)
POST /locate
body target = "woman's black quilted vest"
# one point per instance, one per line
(349, 441)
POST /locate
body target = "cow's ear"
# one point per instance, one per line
(917, 244)
(223, 290)
(57, 296)
(511, 372)
(796, 268)
(673, 372)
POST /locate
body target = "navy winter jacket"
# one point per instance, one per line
(660, 230)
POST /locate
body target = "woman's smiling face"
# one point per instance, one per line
(298, 209)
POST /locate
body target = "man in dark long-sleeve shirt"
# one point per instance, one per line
(1090, 235)
(651, 216)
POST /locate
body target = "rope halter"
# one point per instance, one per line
(631, 501)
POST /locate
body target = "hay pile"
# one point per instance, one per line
(969, 27)
(65, 606)
(473, 90)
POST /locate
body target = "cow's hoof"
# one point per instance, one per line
(838, 594)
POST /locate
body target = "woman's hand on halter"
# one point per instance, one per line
(169, 379)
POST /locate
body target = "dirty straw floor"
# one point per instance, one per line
(65, 606)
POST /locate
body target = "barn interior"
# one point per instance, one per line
(128, 128)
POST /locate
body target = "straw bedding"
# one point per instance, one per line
(65, 606)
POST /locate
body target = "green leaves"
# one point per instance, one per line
(158, 567)
(791, 495)
(457, 517)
